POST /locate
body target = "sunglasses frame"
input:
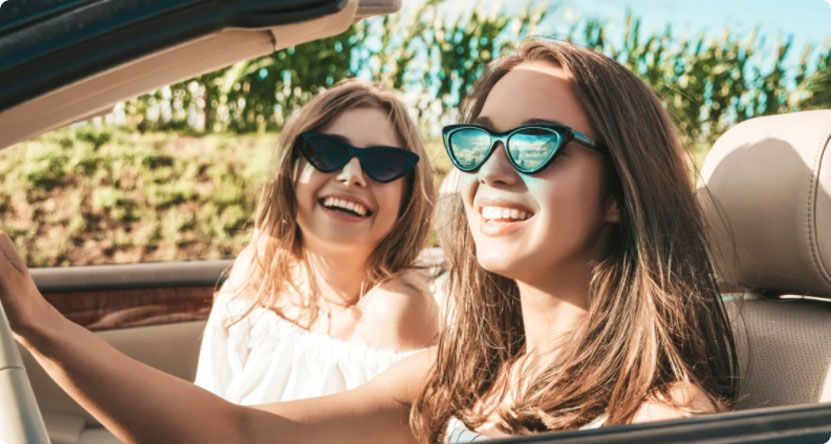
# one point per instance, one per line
(566, 133)
(411, 158)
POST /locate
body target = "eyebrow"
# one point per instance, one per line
(488, 123)
(542, 122)
(483, 121)
(346, 140)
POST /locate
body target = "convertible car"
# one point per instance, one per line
(765, 187)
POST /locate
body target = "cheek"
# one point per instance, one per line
(467, 187)
(390, 199)
(308, 181)
(571, 209)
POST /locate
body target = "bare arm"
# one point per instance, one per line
(378, 411)
(142, 404)
(136, 402)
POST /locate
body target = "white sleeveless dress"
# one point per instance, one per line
(264, 358)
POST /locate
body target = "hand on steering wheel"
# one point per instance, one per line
(18, 292)
(20, 418)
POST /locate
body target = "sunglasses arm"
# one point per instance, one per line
(589, 142)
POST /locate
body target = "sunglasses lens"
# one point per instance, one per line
(387, 164)
(532, 148)
(469, 147)
(324, 153)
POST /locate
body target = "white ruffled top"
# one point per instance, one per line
(264, 358)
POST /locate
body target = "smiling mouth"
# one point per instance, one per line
(345, 206)
(503, 215)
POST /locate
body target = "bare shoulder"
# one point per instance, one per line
(400, 314)
(685, 399)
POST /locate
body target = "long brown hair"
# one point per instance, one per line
(654, 318)
(277, 243)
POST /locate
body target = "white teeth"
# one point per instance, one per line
(491, 213)
(360, 209)
(355, 207)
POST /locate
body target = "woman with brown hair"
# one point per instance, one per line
(329, 282)
(582, 291)
(591, 297)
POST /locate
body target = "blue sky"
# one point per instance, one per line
(808, 21)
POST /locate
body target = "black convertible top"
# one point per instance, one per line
(45, 44)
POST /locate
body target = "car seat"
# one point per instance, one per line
(765, 190)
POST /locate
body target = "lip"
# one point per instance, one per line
(349, 198)
(494, 229)
(343, 216)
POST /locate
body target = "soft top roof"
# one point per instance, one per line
(45, 44)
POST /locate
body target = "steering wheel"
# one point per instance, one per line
(20, 418)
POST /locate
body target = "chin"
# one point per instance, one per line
(341, 240)
(503, 265)
(525, 266)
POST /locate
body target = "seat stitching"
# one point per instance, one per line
(813, 241)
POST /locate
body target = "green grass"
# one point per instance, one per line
(98, 196)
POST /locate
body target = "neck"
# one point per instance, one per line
(553, 307)
(338, 275)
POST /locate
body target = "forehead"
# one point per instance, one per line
(535, 91)
(363, 127)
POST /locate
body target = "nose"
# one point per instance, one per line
(352, 174)
(497, 169)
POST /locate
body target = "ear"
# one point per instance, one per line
(612, 210)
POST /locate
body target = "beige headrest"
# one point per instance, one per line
(769, 183)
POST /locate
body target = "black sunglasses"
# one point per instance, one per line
(530, 148)
(328, 153)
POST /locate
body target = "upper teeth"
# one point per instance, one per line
(345, 204)
(503, 213)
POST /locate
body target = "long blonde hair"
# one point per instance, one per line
(654, 318)
(279, 247)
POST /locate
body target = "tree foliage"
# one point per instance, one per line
(707, 84)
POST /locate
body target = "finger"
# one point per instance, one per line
(10, 253)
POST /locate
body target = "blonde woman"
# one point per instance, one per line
(583, 295)
(328, 294)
